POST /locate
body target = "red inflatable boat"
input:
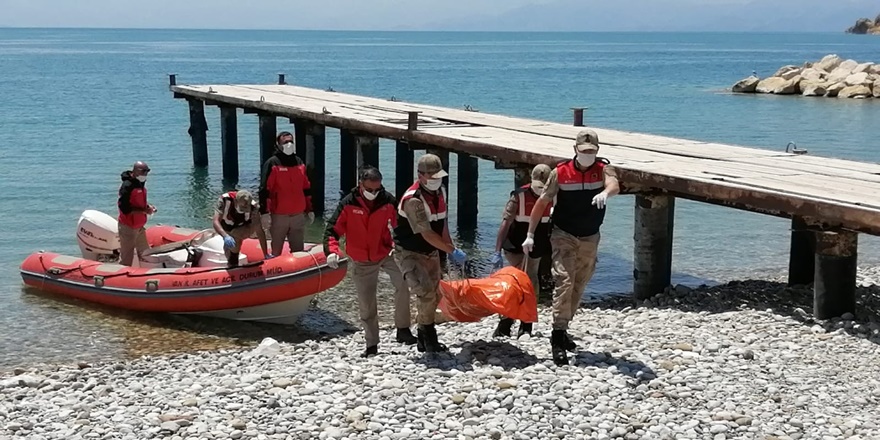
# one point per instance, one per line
(184, 272)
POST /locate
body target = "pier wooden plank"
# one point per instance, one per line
(840, 192)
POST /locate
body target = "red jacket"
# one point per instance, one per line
(132, 194)
(284, 186)
(367, 237)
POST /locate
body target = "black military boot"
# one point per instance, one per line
(370, 351)
(524, 327)
(420, 339)
(232, 261)
(405, 336)
(568, 343)
(503, 328)
(428, 334)
(557, 342)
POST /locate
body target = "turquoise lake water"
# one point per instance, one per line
(79, 106)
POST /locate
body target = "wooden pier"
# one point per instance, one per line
(829, 201)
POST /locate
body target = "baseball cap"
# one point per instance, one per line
(431, 165)
(587, 141)
(540, 174)
(243, 196)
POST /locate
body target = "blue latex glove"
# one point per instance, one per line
(497, 262)
(228, 242)
(268, 256)
(458, 256)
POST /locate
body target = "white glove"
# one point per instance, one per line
(600, 200)
(266, 221)
(311, 217)
(333, 261)
(529, 244)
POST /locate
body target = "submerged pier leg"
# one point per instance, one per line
(229, 142)
(521, 176)
(347, 161)
(198, 128)
(316, 167)
(268, 131)
(367, 150)
(652, 253)
(468, 189)
(403, 164)
(834, 287)
(300, 129)
(802, 255)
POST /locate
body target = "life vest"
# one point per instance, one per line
(365, 227)
(435, 208)
(137, 198)
(289, 190)
(230, 218)
(574, 212)
(520, 227)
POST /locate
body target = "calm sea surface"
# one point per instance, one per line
(79, 106)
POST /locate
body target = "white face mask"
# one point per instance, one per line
(287, 148)
(586, 159)
(369, 196)
(537, 189)
(434, 184)
(141, 179)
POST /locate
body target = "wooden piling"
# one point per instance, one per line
(652, 253)
(198, 128)
(281, 79)
(521, 176)
(578, 116)
(468, 188)
(316, 164)
(367, 150)
(268, 131)
(300, 129)
(403, 172)
(802, 254)
(834, 286)
(229, 142)
(347, 161)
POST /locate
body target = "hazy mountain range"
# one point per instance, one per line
(673, 15)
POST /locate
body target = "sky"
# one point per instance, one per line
(492, 15)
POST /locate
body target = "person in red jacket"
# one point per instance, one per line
(133, 212)
(365, 217)
(286, 196)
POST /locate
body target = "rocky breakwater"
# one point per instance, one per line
(739, 361)
(831, 77)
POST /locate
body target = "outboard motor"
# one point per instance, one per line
(98, 236)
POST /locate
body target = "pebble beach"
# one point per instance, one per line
(743, 360)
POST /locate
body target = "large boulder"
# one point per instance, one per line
(842, 71)
(813, 74)
(788, 72)
(857, 92)
(864, 67)
(874, 70)
(832, 89)
(876, 88)
(746, 85)
(778, 86)
(812, 88)
(858, 79)
(828, 63)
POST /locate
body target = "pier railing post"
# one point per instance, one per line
(347, 161)
(403, 164)
(367, 150)
(652, 253)
(316, 167)
(834, 288)
(198, 128)
(802, 254)
(468, 188)
(268, 131)
(229, 142)
(578, 116)
(281, 79)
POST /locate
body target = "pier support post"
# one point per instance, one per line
(521, 176)
(347, 161)
(834, 288)
(802, 255)
(229, 142)
(404, 176)
(468, 188)
(652, 253)
(367, 150)
(268, 131)
(316, 167)
(300, 129)
(198, 128)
